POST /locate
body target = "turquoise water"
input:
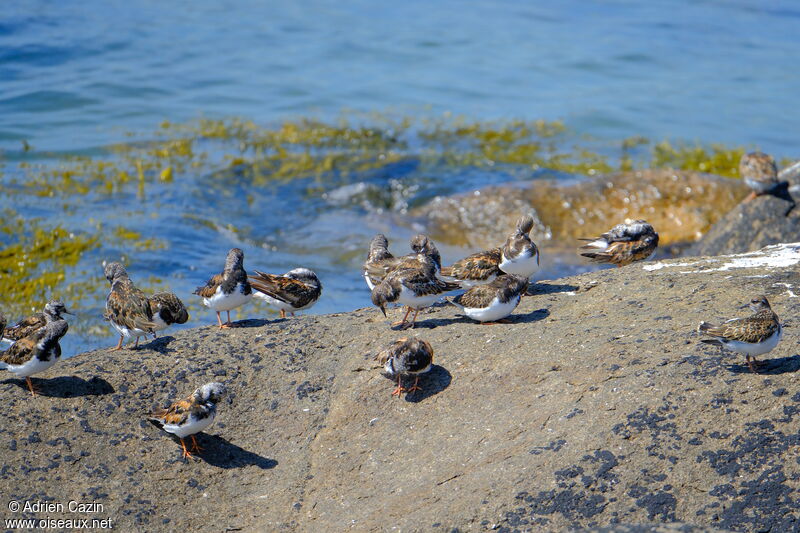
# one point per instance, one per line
(77, 77)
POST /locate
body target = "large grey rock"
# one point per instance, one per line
(752, 225)
(596, 407)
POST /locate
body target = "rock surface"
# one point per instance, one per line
(677, 203)
(752, 225)
(597, 405)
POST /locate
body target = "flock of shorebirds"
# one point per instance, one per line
(493, 281)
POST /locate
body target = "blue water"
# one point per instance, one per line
(78, 76)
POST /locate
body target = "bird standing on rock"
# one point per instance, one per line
(492, 302)
(519, 255)
(759, 172)
(40, 348)
(127, 308)
(190, 416)
(406, 356)
(380, 262)
(228, 290)
(297, 290)
(754, 335)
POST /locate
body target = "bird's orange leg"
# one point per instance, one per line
(136, 344)
(219, 321)
(30, 386)
(283, 313)
(501, 321)
(415, 386)
(408, 311)
(414, 320)
(229, 323)
(119, 344)
(399, 390)
(749, 197)
(186, 453)
(292, 314)
(196, 447)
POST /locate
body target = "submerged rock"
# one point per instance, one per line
(681, 205)
(596, 406)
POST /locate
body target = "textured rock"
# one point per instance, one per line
(677, 203)
(596, 407)
(752, 225)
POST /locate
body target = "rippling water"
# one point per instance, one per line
(78, 77)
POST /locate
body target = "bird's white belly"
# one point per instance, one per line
(407, 297)
(274, 302)
(129, 333)
(495, 311)
(33, 366)
(191, 427)
(225, 302)
(755, 349)
(525, 265)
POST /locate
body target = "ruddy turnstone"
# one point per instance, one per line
(759, 172)
(754, 335)
(623, 244)
(39, 350)
(493, 301)
(34, 322)
(190, 416)
(167, 309)
(407, 356)
(127, 308)
(376, 270)
(296, 290)
(413, 287)
(519, 255)
(227, 290)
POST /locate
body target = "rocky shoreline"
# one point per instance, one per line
(596, 406)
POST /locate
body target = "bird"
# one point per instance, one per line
(31, 323)
(380, 262)
(623, 244)
(492, 302)
(406, 356)
(414, 287)
(378, 255)
(297, 290)
(167, 309)
(759, 172)
(40, 349)
(127, 307)
(227, 290)
(519, 255)
(190, 416)
(754, 335)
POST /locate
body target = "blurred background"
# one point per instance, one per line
(163, 134)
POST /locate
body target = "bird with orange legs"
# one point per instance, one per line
(187, 417)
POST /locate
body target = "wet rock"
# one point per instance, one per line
(677, 203)
(592, 410)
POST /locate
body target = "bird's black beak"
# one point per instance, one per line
(383, 310)
(745, 306)
(67, 312)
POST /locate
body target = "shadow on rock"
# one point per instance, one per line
(432, 382)
(65, 386)
(770, 367)
(540, 287)
(256, 322)
(223, 454)
(533, 316)
(782, 191)
(159, 344)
